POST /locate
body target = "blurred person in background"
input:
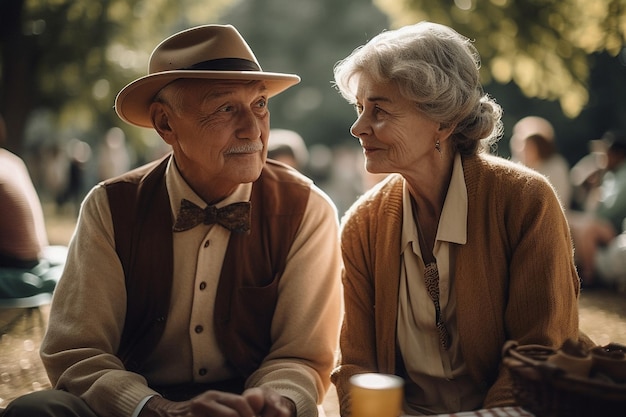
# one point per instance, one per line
(29, 266)
(533, 144)
(54, 166)
(288, 146)
(114, 156)
(612, 203)
(206, 282)
(586, 177)
(600, 254)
(457, 251)
(79, 155)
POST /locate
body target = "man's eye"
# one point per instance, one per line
(262, 103)
(226, 109)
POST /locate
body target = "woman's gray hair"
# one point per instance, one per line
(438, 69)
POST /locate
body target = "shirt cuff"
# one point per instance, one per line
(140, 405)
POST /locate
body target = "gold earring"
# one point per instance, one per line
(438, 146)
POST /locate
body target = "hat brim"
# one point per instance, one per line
(133, 101)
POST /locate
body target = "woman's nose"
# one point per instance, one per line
(358, 128)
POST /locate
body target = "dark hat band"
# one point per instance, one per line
(225, 64)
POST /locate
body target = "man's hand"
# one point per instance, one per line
(254, 402)
(268, 403)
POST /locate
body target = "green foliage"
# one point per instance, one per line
(72, 57)
(67, 59)
(540, 45)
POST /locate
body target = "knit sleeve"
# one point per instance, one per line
(544, 285)
(363, 245)
(87, 318)
(517, 266)
(359, 312)
(541, 301)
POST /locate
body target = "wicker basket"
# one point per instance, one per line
(548, 391)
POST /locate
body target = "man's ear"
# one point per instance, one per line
(160, 116)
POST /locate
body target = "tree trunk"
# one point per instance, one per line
(17, 87)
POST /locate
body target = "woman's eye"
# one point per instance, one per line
(378, 110)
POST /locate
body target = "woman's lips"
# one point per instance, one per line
(370, 149)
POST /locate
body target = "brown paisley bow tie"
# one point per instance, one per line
(234, 217)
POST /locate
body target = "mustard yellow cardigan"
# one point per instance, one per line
(515, 277)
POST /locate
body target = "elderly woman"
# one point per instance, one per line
(457, 251)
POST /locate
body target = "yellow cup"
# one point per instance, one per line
(376, 395)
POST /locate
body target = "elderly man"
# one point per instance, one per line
(205, 283)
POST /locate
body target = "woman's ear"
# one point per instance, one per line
(445, 131)
(160, 116)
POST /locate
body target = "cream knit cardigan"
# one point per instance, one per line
(515, 277)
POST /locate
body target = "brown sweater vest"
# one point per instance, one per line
(248, 286)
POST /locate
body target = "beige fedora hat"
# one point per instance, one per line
(203, 52)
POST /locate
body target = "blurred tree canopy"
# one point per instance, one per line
(63, 61)
(69, 58)
(543, 46)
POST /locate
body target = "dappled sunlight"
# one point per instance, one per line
(501, 69)
(101, 89)
(119, 10)
(463, 4)
(400, 13)
(588, 30)
(79, 10)
(78, 116)
(524, 72)
(127, 58)
(202, 12)
(542, 46)
(547, 78)
(590, 38)
(573, 100)
(504, 42)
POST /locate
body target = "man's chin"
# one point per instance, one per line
(248, 174)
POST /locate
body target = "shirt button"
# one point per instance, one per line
(207, 243)
(202, 371)
(198, 329)
(203, 285)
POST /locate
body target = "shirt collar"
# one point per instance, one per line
(453, 222)
(178, 189)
